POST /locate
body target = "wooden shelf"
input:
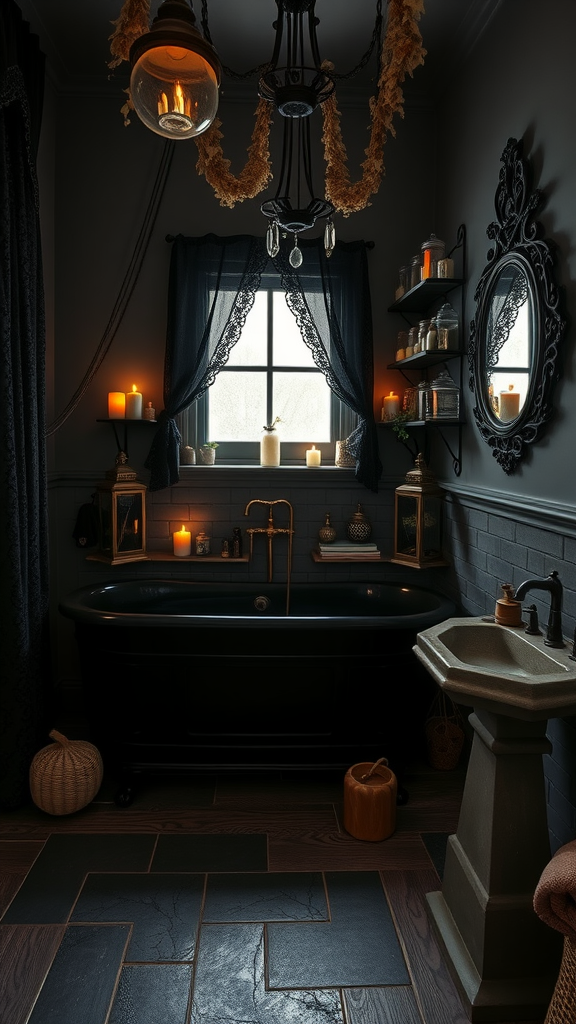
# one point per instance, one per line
(423, 423)
(422, 359)
(165, 556)
(419, 298)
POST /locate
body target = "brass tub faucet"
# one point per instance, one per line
(271, 531)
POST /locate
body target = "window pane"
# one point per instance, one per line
(237, 406)
(302, 401)
(288, 349)
(251, 349)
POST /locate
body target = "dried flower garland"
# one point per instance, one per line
(132, 23)
(257, 171)
(402, 52)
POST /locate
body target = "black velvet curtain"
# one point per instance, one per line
(24, 654)
(212, 286)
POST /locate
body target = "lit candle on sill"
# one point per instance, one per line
(133, 404)
(509, 404)
(182, 541)
(390, 406)
(116, 405)
(313, 456)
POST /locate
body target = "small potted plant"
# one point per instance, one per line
(208, 452)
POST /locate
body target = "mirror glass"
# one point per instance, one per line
(515, 336)
(509, 341)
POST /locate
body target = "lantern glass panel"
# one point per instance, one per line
(407, 524)
(129, 536)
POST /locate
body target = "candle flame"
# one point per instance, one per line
(134, 388)
(510, 387)
(178, 98)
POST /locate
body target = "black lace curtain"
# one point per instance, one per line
(212, 286)
(24, 660)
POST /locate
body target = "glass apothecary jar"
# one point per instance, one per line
(433, 250)
(415, 271)
(423, 390)
(443, 398)
(447, 328)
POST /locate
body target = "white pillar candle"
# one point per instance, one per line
(116, 405)
(133, 404)
(313, 456)
(509, 405)
(390, 406)
(182, 541)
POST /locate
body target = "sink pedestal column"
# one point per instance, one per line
(504, 958)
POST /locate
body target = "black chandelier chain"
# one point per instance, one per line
(260, 69)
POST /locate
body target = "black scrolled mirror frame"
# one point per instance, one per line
(516, 236)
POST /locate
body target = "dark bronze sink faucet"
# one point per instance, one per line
(553, 585)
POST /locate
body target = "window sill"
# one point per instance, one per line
(255, 467)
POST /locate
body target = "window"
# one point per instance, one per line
(270, 373)
(211, 290)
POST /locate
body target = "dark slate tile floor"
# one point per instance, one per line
(178, 928)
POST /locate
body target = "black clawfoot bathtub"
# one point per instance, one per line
(182, 676)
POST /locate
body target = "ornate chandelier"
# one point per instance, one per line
(174, 90)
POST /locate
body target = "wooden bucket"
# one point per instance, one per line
(370, 792)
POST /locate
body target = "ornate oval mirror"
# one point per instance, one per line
(515, 335)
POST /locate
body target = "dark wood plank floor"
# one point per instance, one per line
(302, 820)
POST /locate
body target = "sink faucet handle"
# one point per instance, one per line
(532, 628)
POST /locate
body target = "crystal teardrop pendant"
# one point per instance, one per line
(273, 239)
(295, 256)
(329, 237)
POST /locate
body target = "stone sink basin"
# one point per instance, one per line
(499, 668)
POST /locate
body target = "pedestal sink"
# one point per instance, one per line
(504, 959)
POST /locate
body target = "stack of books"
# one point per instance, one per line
(344, 549)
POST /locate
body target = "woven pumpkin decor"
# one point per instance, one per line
(66, 775)
(370, 792)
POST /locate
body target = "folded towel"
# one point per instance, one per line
(555, 895)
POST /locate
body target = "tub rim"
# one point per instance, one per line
(74, 607)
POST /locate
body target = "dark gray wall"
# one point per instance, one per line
(519, 82)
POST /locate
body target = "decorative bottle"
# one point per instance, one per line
(236, 542)
(270, 445)
(358, 527)
(327, 533)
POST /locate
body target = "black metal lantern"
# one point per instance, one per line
(418, 519)
(122, 515)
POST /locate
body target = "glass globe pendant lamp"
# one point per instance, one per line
(175, 74)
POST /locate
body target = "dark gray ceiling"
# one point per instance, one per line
(74, 35)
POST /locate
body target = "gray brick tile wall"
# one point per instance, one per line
(514, 551)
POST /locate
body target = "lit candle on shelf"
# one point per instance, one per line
(509, 404)
(390, 406)
(182, 540)
(116, 405)
(313, 456)
(133, 404)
